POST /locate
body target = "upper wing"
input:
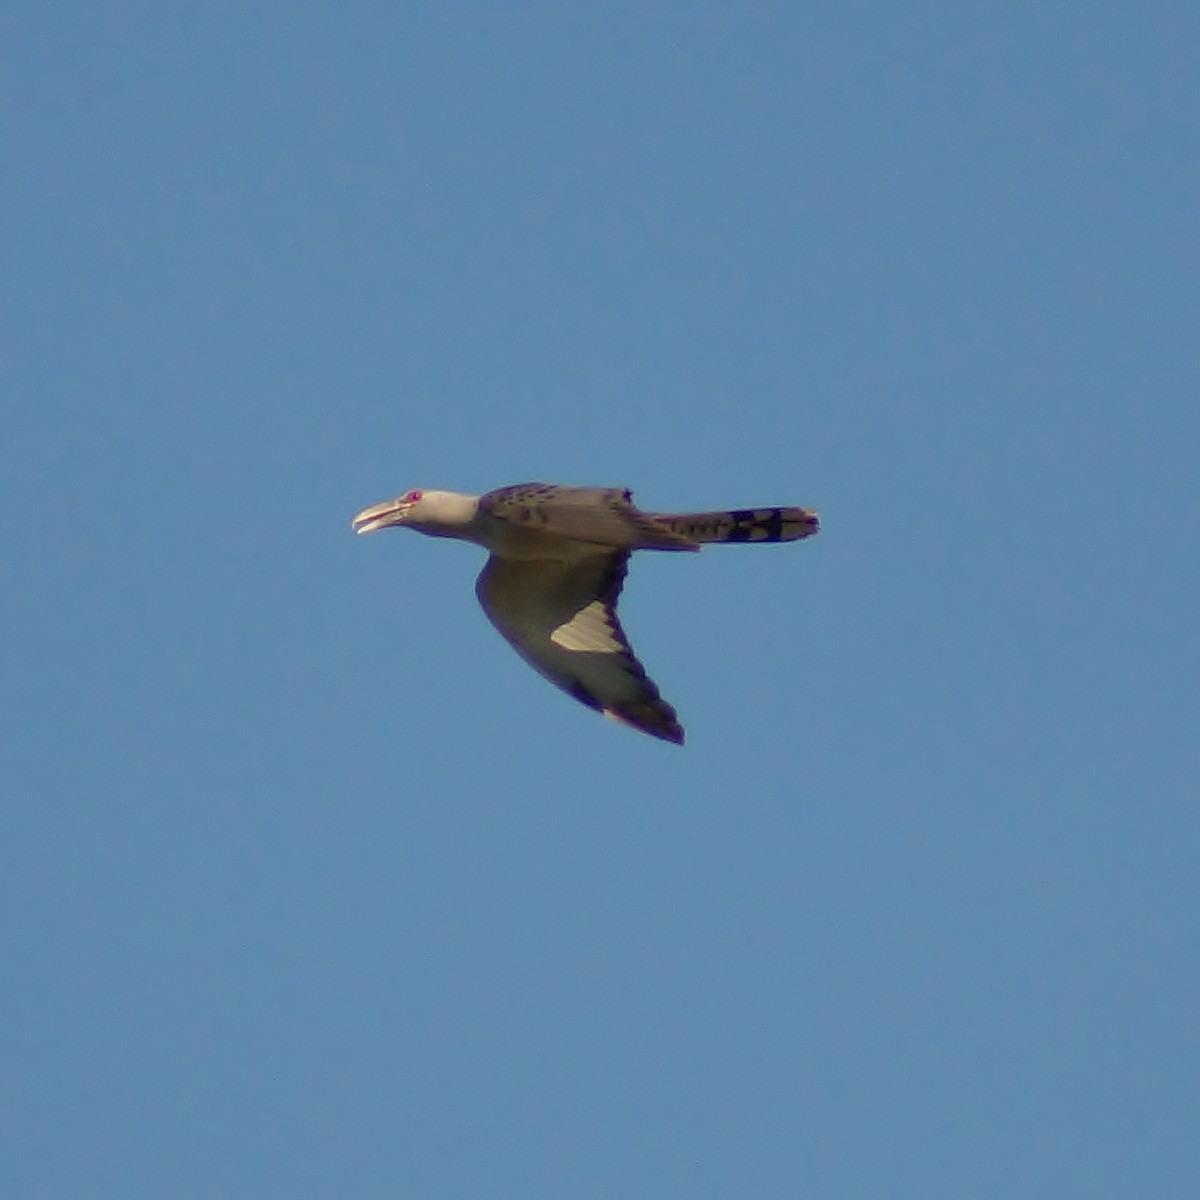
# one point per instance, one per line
(602, 516)
(561, 618)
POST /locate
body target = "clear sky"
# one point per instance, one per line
(309, 888)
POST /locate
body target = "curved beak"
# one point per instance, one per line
(380, 516)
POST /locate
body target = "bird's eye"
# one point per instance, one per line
(412, 497)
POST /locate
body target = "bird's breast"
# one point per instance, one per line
(507, 540)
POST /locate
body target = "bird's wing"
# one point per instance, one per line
(602, 516)
(562, 619)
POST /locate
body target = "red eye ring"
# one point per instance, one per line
(411, 497)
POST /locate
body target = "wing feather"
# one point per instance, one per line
(561, 618)
(602, 516)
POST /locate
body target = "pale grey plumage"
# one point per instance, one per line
(558, 560)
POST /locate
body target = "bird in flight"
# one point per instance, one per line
(557, 562)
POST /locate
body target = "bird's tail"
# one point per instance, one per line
(743, 525)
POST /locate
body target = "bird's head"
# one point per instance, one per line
(390, 512)
(443, 514)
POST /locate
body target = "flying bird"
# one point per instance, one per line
(557, 561)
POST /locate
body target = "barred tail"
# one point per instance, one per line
(743, 525)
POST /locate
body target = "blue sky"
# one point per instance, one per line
(310, 888)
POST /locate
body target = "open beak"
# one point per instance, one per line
(380, 516)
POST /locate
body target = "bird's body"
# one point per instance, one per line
(557, 561)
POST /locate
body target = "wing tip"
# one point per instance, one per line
(654, 722)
